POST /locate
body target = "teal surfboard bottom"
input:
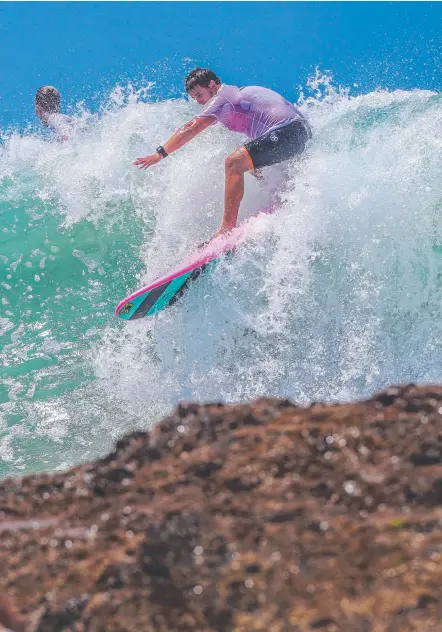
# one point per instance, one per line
(155, 300)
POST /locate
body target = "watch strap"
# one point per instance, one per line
(160, 150)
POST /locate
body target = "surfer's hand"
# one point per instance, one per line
(147, 161)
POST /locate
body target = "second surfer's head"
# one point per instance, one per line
(47, 101)
(202, 84)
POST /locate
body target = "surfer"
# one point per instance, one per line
(47, 108)
(277, 130)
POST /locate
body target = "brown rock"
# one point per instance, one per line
(262, 516)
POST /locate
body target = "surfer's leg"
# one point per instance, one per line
(236, 165)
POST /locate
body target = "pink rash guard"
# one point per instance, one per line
(252, 111)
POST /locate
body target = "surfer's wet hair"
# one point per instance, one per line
(200, 77)
(48, 98)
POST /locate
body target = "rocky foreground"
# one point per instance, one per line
(262, 516)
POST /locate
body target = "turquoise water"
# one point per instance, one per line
(334, 296)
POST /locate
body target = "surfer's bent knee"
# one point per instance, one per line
(239, 161)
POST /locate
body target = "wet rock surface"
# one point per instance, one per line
(261, 516)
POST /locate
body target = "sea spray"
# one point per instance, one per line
(335, 295)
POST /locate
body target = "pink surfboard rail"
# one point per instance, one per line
(214, 249)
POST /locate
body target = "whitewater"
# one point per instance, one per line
(334, 296)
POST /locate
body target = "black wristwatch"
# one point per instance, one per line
(160, 150)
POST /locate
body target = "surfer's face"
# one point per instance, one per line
(202, 95)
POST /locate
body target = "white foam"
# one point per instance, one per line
(335, 295)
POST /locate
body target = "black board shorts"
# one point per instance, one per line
(279, 144)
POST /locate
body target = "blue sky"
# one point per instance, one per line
(85, 48)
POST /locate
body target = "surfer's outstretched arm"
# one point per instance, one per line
(182, 136)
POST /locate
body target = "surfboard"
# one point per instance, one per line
(167, 290)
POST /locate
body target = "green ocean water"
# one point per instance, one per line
(336, 295)
(59, 286)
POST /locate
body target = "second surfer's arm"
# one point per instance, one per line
(182, 136)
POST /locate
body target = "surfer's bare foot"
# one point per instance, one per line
(223, 231)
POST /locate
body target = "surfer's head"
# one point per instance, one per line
(202, 84)
(47, 101)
